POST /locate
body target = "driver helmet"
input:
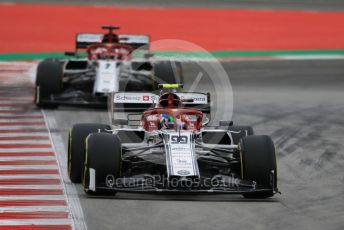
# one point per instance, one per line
(169, 100)
(166, 121)
(110, 38)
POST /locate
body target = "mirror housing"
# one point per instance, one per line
(206, 122)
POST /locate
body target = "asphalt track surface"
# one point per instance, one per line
(252, 4)
(300, 104)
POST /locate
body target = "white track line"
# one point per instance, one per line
(18, 115)
(24, 167)
(70, 189)
(32, 197)
(27, 158)
(20, 127)
(15, 65)
(42, 208)
(6, 113)
(30, 176)
(31, 187)
(23, 150)
(37, 222)
(24, 141)
(24, 134)
(21, 120)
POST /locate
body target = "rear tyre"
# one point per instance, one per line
(48, 82)
(258, 160)
(76, 148)
(168, 72)
(103, 158)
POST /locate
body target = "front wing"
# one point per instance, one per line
(147, 186)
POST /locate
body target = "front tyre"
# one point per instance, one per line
(258, 163)
(102, 162)
(76, 148)
(48, 82)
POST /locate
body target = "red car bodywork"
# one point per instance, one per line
(109, 51)
(171, 104)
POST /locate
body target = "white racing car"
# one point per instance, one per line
(109, 66)
(170, 149)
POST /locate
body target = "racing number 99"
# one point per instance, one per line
(179, 139)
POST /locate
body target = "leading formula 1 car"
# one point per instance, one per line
(88, 81)
(172, 150)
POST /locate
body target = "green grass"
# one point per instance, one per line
(216, 54)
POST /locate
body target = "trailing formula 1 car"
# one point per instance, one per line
(109, 66)
(172, 150)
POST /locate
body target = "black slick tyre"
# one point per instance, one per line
(48, 82)
(102, 162)
(258, 163)
(76, 148)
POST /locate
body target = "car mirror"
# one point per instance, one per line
(206, 122)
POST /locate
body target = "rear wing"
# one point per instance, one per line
(136, 41)
(140, 101)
